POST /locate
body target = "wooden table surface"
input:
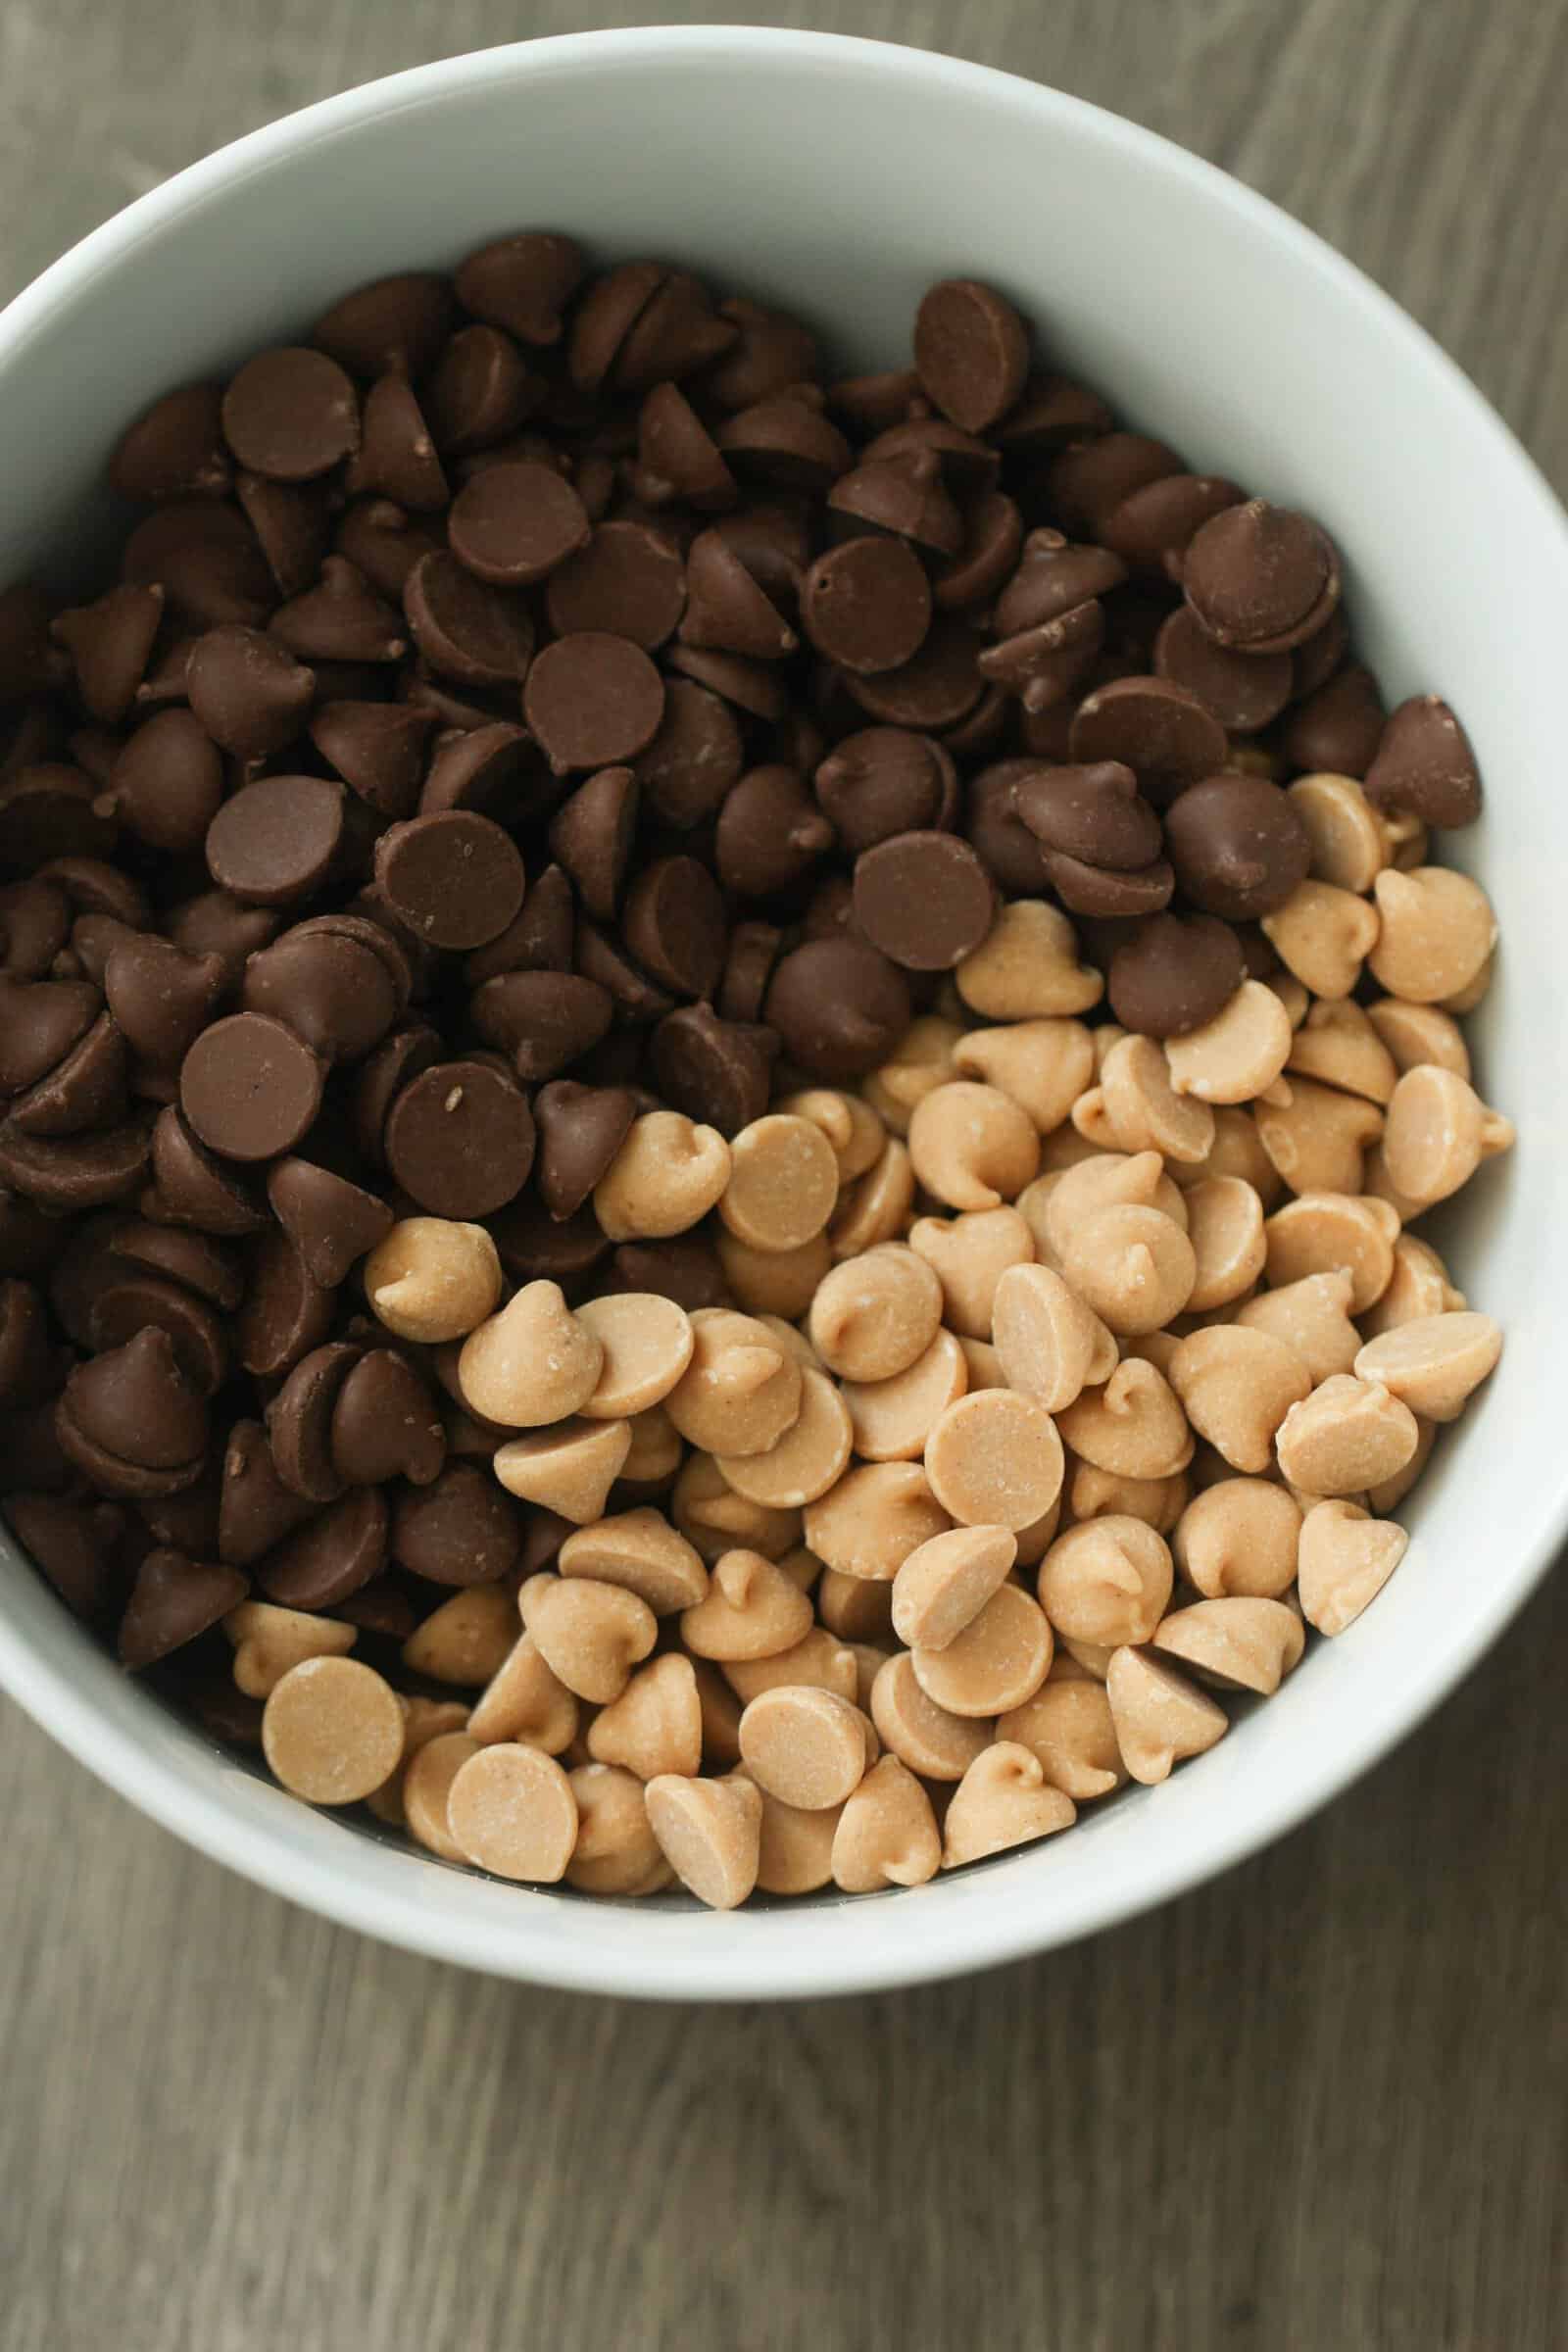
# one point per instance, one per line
(1317, 2107)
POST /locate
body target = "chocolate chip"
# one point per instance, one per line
(51, 811)
(461, 1530)
(924, 898)
(590, 836)
(340, 619)
(726, 609)
(397, 454)
(459, 1140)
(175, 449)
(905, 496)
(194, 1259)
(971, 352)
(1151, 527)
(40, 1021)
(455, 878)
(674, 924)
(605, 317)
(513, 524)
(1425, 766)
(627, 581)
(756, 687)
(1086, 483)
(601, 959)
(172, 1601)
(132, 1420)
(885, 780)
(753, 949)
(522, 284)
(129, 1302)
(1174, 974)
(214, 923)
(538, 939)
(1007, 849)
(543, 1021)
(85, 1090)
(28, 1373)
(1339, 728)
(330, 1221)
(937, 688)
(161, 997)
(694, 758)
(34, 923)
(167, 781)
(385, 1424)
(785, 441)
(866, 605)
(487, 767)
(1316, 658)
(1044, 666)
(479, 635)
(716, 1071)
(73, 1543)
(1103, 892)
(581, 1128)
(299, 1422)
(331, 1556)
(991, 543)
(291, 413)
(1261, 577)
(286, 1311)
(593, 701)
(1093, 813)
(399, 322)
(248, 691)
(68, 1174)
(250, 1088)
(193, 1187)
(277, 839)
(1054, 578)
(378, 749)
(839, 1005)
(110, 643)
(384, 542)
(1237, 845)
(686, 1269)
(534, 1246)
(770, 833)
(1243, 691)
(1158, 729)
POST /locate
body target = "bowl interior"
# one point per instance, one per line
(839, 178)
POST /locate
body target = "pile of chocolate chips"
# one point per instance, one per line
(537, 696)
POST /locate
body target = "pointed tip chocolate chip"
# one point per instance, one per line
(173, 1601)
(332, 1222)
(161, 997)
(581, 1128)
(1424, 767)
(839, 1006)
(591, 836)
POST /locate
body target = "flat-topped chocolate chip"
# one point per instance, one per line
(674, 924)
(250, 1088)
(465, 629)
(455, 878)
(1243, 691)
(924, 898)
(1158, 729)
(513, 524)
(868, 605)
(459, 1140)
(1261, 577)
(627, 580)
(971, 352)
(277, 839)
(840, 1005)
(291, 413)
(593, 701)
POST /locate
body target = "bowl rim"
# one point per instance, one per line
(190, 1802)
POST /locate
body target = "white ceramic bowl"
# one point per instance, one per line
(840, 177)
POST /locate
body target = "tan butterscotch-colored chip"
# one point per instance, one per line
(945, 1584)
(1036, 1539)
(1160, 1718)
(870, 1522)
(1237, 1150)
(855, 1134)
(1237, 1386)
(511, 1810)
(654, 1452)
(1408, 839)
(1091, 1118)
(715, 1519)
(807, 1460)
(1239, 1054)
(1107, 1581)
(876, 1206)
(1067, 1728)
(1238, 1540)
(995, 1460)
(803, 1565)
(568, 1469)
(1104, 1180)
(655, 1725)
(794, 1851)
(1439, 1132)
(647, 1342)
(818, 1661)
(642, 1551)
(783, 1183)
(923, 1735)
(886, 1834)
(426, 1785)
(1144, 1112)
(1027, 968)
(1225, 1227)
(984, 1364)
(889, 1420)
(997, 1661)
(921, 1059)
(1064, 1149)
(1379, 1186)
(794, 1342)
(1337, 1044)
(1434, 1362)
(1322, 1231)
(1323, 935)
(773, 1282)
(1091, 1658)
(431, 1279)
(1418, 1286)
(709, 1833)
(332, 1731)
(854, 1608)
(971, 1146)
(1044, 1065)
(525, 1702)
(876, 1314)
(467, 1639)
(1437, 933)
(590, 1635)
(970, 1254)
(1473, 992)
(1133, 1425)
(1313, 1316)
(1292, 993)
(1317, 1137)
(1003, 1800)
(534, 1364)
(1413, 1034)
(721, 1715)
(753, 1609)
(617, 1851)
(805, 1747)
(269, 1640)
(424, 1720)
(666, 1176)
(1242, 1643)
(1135, 1268)
(1034, 1207)
(741, 1390)
(1348, 1435)
(1347, 1558)
(1094, 1494)
(1349, 844)
(1049, 1345)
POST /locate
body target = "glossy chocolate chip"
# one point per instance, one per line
(971, 352)
(716, 1071)
(1174, 974)
(461, 1530)
(924, 898)
(1261, 578)
(839, 1006)
(593, 701)
(291, 413)
(1243, 691)
(1158, 729)
(545, 1021)
(581, 1128)
(1424, 767)
(459, 1140)
(173, 1601)
(1237, 845)
(868, 605)
(456, 879)
(674, 924)
(250, 1088)
(248, 691)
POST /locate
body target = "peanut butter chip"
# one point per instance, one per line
(1312, 1317)
(855, 1134)
(922, 1060)
(569, 1469)
(433, 1280)
(773, 1282)
(876, 1314)
(818, 1661)
(617, 1851)
(589, 1635)
(711, 1835)
(642, 1551)
(1237, 1386)
(945, 1584)
(1323, 934)
(853, 1607)
(269, 1641)
(1418, 1286)
(805, 1747)
(715, 1519)
(1105, 1581)
(467, 1639)
(1317, 1136)
(877, 1206)
(889, 1420)
(783, 1183)
(1067, 1727)
(1050, 1345)
(1347, 1436)
(1027, 968)
(795, 1853)
(647, 1345)
(1238, 1538)
(1043, 1065)
(524, 1701)
(1350, 844)
(655, 1725)
(1437, 931)
(1003, 1800)
(666, 1176)
(424, 1720)
(995, 1460)
(655, 1451)
(1133, 1425)
(511, 1810)
(870, 1522)
(886, 1834)
(332, 1731)
(1160, 1718)
(1438, 1131)
(807, 1460)
(1145, 1110)
(1098, 1181)
(972, 1146)
(1135, 1268)
(1433, 1362)
(1098, 1493)
(753, 1609)
(1000, 1658)
(970, 1255)
(1241, 1644)
(1225, 1227)
(1324, 1231)
(1339, 1044)
(921, 1733)
(1417, 1033)
(1237, 1055)
(1347, 1559)
(534, 1364)
(741, 1390)
(426, 1785)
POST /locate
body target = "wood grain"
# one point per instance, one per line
(1315, 2108)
